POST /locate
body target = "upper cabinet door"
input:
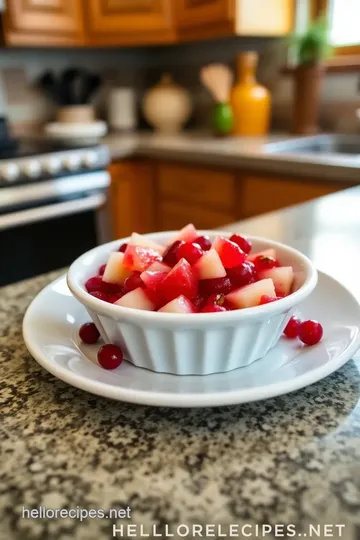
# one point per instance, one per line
(129, 22)
(205, 17)
(198, 19)
(43, 22)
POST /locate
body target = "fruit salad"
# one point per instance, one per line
(192, 274)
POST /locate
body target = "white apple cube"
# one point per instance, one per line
(115, 271)
(159, 267)
(187, 234)
(282, 277)
(181, 304)
(209, 266)
(249, 296)
(136, 299)
(140, 240)
(265, 253)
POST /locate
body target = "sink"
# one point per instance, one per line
(319, 144)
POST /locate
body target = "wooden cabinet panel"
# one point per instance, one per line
(132, 200)
(260, 195)
(129, 21)
(201, 185)
(43, 22)
(174, 215)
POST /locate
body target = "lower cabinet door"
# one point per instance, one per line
(173, 215)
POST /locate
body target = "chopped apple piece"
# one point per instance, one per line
(181, 280)
(209, 266)
(159, 267)
(181, 304)
(139, 258)
(140, 240)
(250, 295)
(229, 252)
(282, 277)
(187, 234)
(115, 270)
(136, 299)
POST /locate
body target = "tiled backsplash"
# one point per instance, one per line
(26, 105)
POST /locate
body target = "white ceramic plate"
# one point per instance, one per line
(86, 133)
(50, 331)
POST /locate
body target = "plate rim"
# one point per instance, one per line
(186, 400)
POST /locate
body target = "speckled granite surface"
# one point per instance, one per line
(291, 460)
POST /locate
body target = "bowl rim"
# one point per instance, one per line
(116, 312)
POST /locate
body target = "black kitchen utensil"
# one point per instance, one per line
(67, 83)
(90, 84)
(48, 82)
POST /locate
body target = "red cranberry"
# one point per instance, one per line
(199, 301)
(112, 298)
(110, 356)
(100, 295)
(204, 242)
(102, 269)
(241, 275)
(93, 284)
(123, 247)
(110, 288)
(218, 299)
(310, 332)
(169, 255)
(242, 242)
(264, 262)
(215, 286)
(292, 328)
(189, 251)
(89, 333)
(133, 282)
(266, 299)
(213, 308)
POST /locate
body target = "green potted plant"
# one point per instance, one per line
(311, 49)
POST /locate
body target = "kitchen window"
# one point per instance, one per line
(344, 24)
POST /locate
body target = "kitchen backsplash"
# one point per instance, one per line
(27, 106)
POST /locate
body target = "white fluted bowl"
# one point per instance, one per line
(192, 344)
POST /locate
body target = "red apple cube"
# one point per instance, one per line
(181, 280)
(209, 266)
(250, 295)
(187, 234)
(139, 258)
(159, 267)
(136, 299)
(282, 277)
(115, 270)
(181, 304)
(265, 252)
(140, 240)
(151, 279)
(229, 252)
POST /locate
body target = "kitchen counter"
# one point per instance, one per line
(293, 459)
(249, 153)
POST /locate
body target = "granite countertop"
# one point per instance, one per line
(294, 459)
(249, 153)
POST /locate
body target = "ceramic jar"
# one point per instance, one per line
(167, 106)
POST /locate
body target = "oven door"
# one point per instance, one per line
(50, 234)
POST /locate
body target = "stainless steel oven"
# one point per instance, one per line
(53, 207)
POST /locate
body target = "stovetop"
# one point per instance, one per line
(27, 148)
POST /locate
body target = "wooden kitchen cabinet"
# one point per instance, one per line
(129, 22)
(43, 22)
(197, 19)
(132, 198)
(259, 195)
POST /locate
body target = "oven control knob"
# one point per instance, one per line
(52, 165)
(32, 169)
(10, 172)
(72, 163)
(90, 160)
